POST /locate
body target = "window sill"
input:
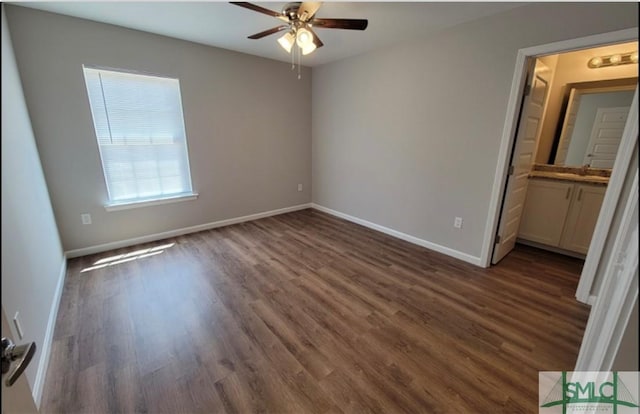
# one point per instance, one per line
(152, 202)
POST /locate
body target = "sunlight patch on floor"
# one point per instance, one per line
(127, 257)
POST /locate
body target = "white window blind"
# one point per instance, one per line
(140, 131)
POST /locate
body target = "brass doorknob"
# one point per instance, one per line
(12, 352)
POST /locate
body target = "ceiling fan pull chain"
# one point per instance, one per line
(299, 53)
(293, 56)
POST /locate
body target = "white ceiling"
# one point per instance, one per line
(227, 26)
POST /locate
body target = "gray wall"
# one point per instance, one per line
(407, 137)
(247, 119)
(31, 251)
(589, 105)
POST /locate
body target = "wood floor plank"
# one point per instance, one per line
(307, 313)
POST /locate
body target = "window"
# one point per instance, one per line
(141, 138)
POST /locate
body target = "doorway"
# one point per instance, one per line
(523, 74)
(571, 123)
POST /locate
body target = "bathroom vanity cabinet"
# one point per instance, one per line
(561, 214)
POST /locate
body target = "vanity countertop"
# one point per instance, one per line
(572, 177)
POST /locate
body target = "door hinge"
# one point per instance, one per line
(511, 170)
(498, 238)
(527, 90)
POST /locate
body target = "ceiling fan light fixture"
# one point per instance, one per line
(299, 18)
(304, 38)
(287, 41)
(308, 48)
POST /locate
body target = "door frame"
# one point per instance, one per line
(507, 142)
(612, 309)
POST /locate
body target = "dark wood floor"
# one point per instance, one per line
(307, 313)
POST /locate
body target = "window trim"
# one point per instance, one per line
(127, 205)
(130, 71)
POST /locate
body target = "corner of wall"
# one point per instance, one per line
(45, 353)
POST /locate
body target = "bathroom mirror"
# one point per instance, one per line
(592, 127)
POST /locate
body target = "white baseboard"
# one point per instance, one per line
(45, 350)
(592, 300)
(179, 232)
(403, 236)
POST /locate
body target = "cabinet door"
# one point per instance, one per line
(582, 218)
(545, 211)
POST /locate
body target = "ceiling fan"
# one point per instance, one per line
(299, 20)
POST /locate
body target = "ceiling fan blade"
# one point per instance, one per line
(316, 39)
(257, 8)
(307, 10)
(349, 24)
(269, 32)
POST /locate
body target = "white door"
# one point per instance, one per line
(522, 160)
(17, 398)
(567, 126)
(605, 136)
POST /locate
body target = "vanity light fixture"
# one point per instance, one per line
(613, 60)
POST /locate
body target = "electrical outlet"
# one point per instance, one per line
(16, 323)
(457, 223)
(86, 218)
(299, 187)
